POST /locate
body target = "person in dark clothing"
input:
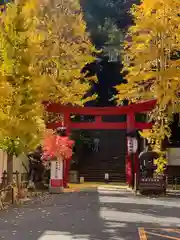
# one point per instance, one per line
(147, 158)
(36, 168)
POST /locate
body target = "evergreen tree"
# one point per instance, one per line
(105, 16)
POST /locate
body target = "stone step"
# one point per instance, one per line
(101, 179)
(100, 176)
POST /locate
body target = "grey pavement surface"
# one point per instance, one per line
(98, 215)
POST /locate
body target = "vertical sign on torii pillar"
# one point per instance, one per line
(132, 145)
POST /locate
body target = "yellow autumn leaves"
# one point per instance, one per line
(152, 61)
(70, 50)
(43, 48)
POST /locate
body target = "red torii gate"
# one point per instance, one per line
(98, 112)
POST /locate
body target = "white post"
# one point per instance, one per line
(56, 179)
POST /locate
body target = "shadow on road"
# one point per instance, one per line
(88, 216)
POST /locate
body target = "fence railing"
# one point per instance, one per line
(173, 182)
(11, 192)
(18, 178)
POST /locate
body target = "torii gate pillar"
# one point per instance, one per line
(67, 163)
(132, 162)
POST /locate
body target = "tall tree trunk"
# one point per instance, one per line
(9, 168)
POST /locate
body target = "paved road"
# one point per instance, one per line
(99, 215)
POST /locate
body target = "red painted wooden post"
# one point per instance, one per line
(132, 125)
(67, 122)
(130, 120)
(66, 165)
(98, 120)
(129, 163)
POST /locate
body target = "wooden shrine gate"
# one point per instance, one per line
(98, 112)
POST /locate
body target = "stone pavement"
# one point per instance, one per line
(95, 215)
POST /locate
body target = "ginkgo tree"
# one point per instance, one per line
(21, 111)
(67, 50)
(40, 59)
(151, 64)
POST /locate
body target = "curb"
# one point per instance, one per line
(90, 189)
(94, 187)
(113, 187)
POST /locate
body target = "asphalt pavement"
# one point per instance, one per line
(94, 215)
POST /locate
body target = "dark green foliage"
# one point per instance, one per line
(107, 20)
